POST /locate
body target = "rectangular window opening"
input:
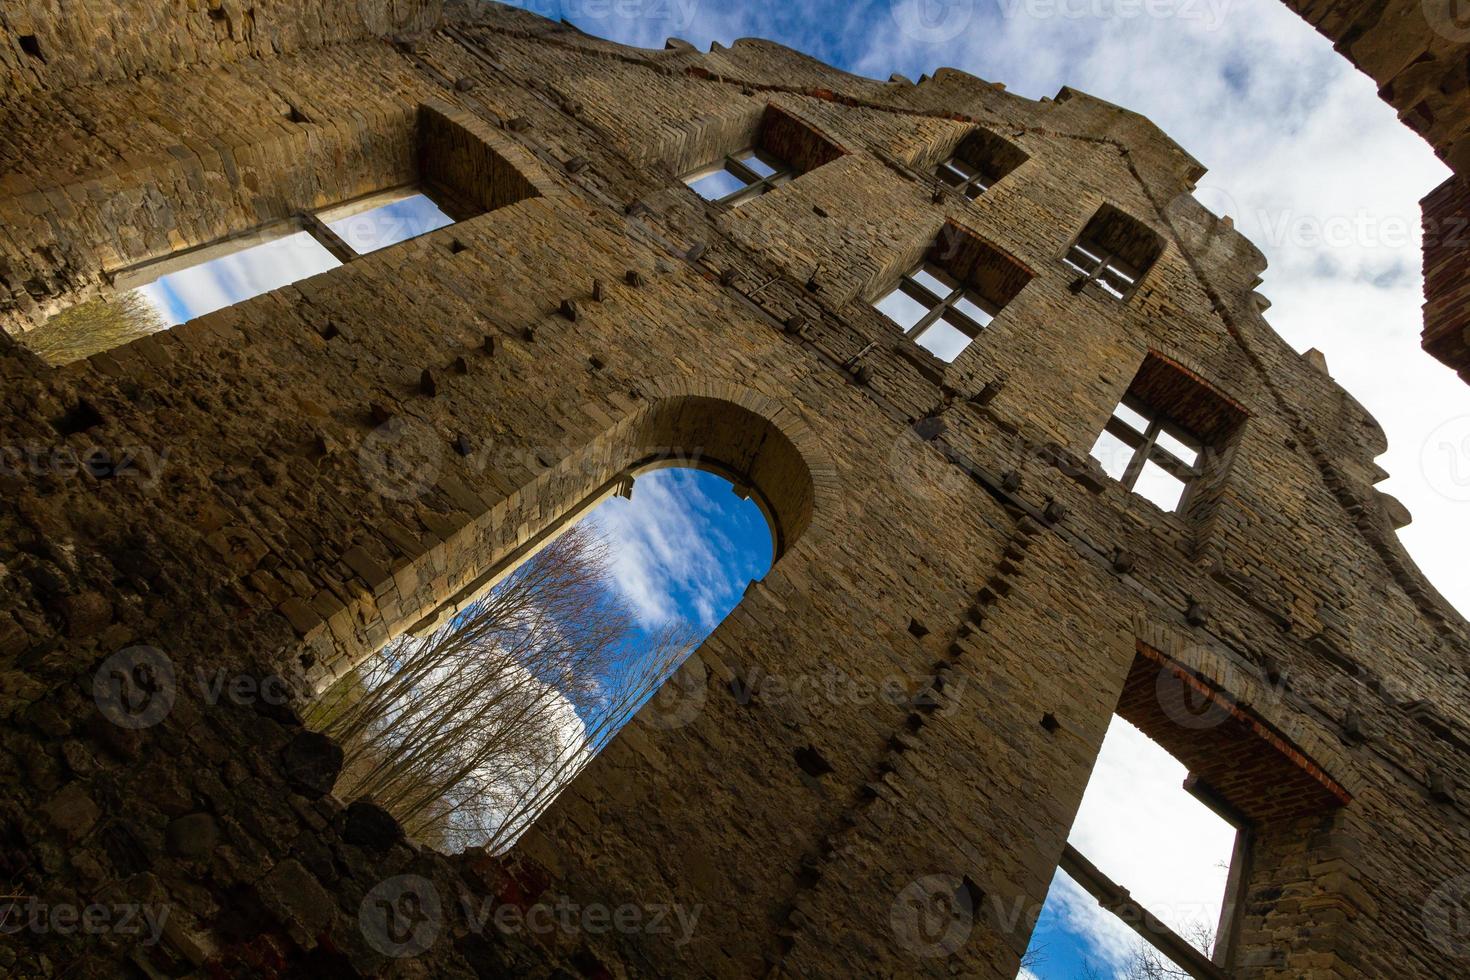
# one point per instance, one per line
(1113, 252)
(455, 171)
(379, 220)
(980, 161)
(170, 291)
(230, 273)
(937, 313)
(189, 284)
(740, 177)
(949, 298)
(781, 149)
(1150, 875)
(1165, 871)
(1165, 433)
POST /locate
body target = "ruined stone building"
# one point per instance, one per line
(271, 491)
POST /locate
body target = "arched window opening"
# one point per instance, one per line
(1143, 826)
(468, 729)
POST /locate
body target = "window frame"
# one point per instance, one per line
(1115, 899)
(1146, 448)
(755, 185)
(1240, 766)
(312, 221)
(1103, 268)
(939, 307)
(979, 182)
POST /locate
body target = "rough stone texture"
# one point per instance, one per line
(266, 531)
(1447, 274)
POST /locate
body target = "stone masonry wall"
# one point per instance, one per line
(900, 718)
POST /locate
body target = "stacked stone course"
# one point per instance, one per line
(938, 524)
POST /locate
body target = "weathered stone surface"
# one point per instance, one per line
(302, 904)
(193, 836)
(312, 763)
(72, 811)
(86, 614)
(868, 731)
(369, 825)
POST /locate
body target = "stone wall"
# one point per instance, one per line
(1446, 263)
(904, 712)
(47, 46)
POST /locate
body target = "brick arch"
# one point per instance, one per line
(1259, 762)
(1248, 690)
(793, 475)
(751, 439)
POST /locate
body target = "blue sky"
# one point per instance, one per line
(684, 546)
(266, 265)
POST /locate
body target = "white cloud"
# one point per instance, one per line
(397, 220)
(1313, 166)
(1107, 939)
(667, 551)
(1140, 827)
(221, 282)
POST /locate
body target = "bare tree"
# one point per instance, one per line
(1147, 963)
(467, 734)
(1034, 957)
(630, 686)
(92, 327)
